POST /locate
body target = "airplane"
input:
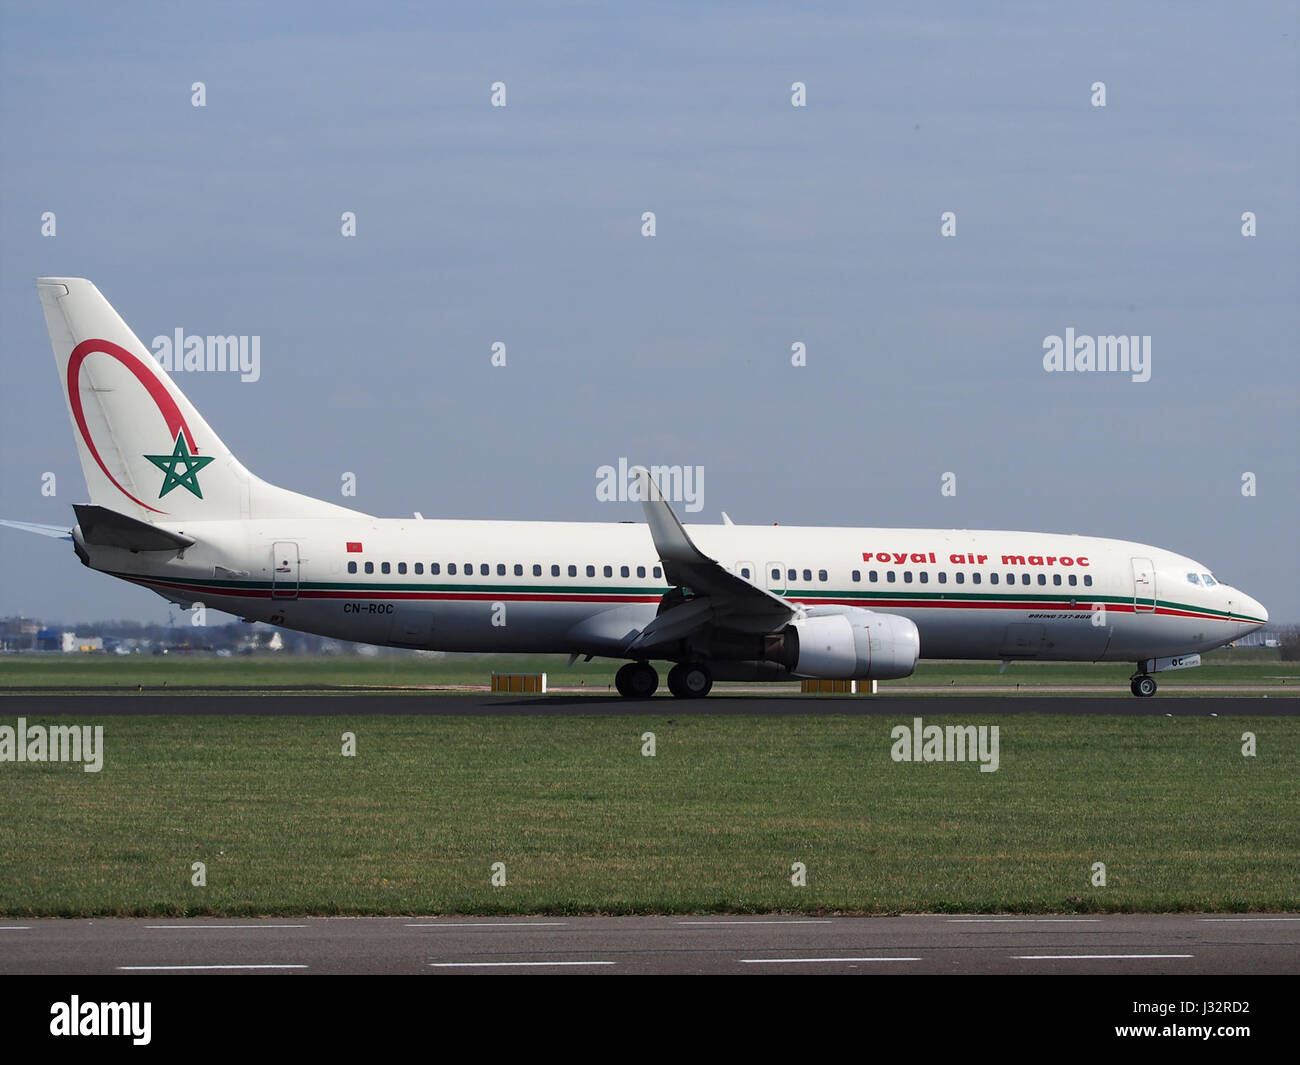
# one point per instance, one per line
(173, 510)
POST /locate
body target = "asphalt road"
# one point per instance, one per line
(1179, 944)
(443, 703)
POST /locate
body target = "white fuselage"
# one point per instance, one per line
(546, 587)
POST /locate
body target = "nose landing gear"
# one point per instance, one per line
(1143, 685)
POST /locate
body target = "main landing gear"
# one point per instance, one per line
(636, 680)
(1143, 685)
(690, 680)
(686, 680)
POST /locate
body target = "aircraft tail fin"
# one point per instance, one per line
(145, 450)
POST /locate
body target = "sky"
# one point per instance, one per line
(774, 225)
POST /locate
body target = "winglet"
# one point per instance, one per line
(669, 537)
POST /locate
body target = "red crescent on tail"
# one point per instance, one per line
(161, 397)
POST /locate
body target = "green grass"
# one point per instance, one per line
(65, 672)
(712, 823)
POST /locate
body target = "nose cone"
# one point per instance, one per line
(1250, 613)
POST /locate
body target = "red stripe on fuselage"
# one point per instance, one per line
(611, 597)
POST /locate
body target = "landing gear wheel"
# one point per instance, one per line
(690, 680)
(636, 680)
(1143, 687)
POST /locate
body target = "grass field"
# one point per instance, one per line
(1238, 667)
(712, 823)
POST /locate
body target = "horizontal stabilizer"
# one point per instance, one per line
(107, 528)
(61, 532)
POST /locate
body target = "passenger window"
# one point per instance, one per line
(658, 573)
(961, 578)
(1042, 578)
(384, 567)
(776, 574)
(640, 571)
(401, 567)
(1087, 580)
(1024, 578)
(591, 571)
(370, 567)
(875, 576)
(821, 575)
(486, 570)
(792, 575)
(889, 576)
(907, 576)
(537, 570)
(623, 571)
(573, 571)
(925, 577)
(993, 578)
(1011, 578)
(419, 567)
(744, 572)
(857, 575)
(468, 569)
(1074, 580)
(1056, 578)
(352, 567)
(608, 571)
(807, 575)
(943, 578)
(435, 568)
(975, 578)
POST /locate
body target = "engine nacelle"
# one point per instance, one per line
(851, 644)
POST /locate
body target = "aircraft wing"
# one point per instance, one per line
(62, 532)
(710, 594)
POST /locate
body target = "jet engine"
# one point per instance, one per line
(849, 643)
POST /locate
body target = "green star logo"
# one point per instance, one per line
(180, 457)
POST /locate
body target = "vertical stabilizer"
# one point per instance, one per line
(145, 451)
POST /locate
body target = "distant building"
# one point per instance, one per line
(71, 643)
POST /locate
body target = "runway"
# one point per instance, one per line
(1180, 944)
(314, 704)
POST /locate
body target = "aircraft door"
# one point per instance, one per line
(1144, 585)
(284, 570)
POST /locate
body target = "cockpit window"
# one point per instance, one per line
(1210, 582)
(1193, 579)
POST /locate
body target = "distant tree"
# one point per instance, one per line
(1291, 644)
